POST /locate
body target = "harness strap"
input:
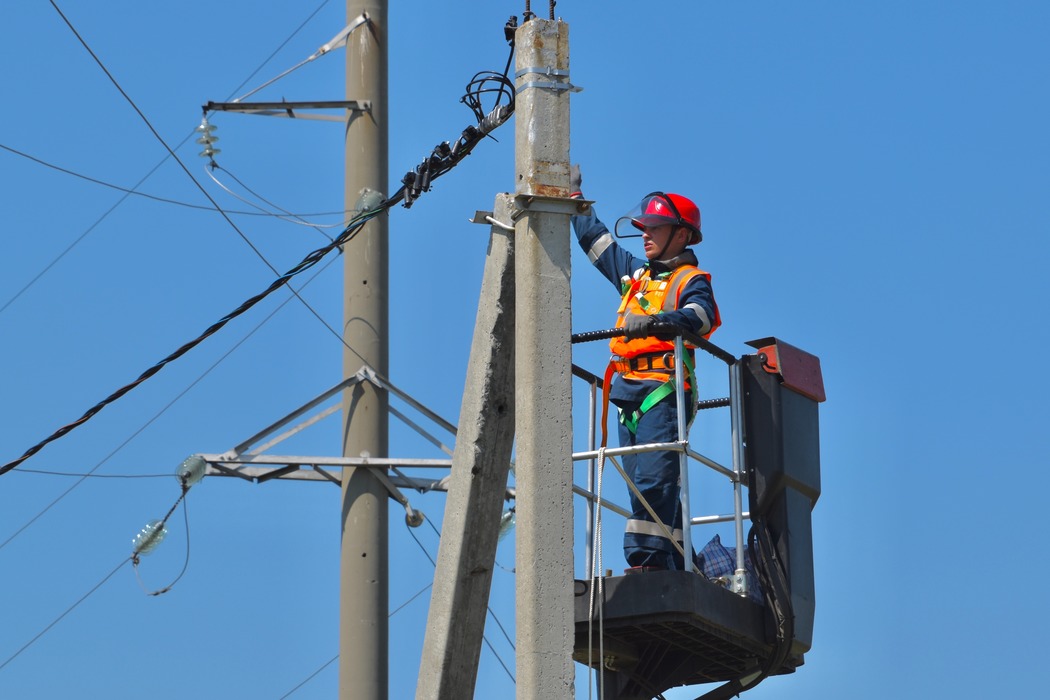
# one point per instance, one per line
(606, 383)
(648, 362)
(655, 396)
(630, 420)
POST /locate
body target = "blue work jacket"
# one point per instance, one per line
(696, 306)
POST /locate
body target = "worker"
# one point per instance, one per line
(664, 287)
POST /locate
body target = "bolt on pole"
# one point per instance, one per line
(364, 555)
(543, 364)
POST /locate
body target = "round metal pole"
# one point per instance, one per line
(364, 561)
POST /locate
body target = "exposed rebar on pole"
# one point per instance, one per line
(543, 362)
(364, 560)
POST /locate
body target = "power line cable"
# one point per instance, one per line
(487, 607)
(142, 545)
(491, 612)
(307, 262)
(281, 280)
(335, 42)
(449, 156)
(442, 160)
(94, 476)
(419, 593)
(278, 49)
(85, 233)
(310, 677)
(164, 200)
(152, 170)
(348, 233)
(333, 659)
(284, 216)
(156, 135)
(68, 610)
(163, 410)
(404, 605)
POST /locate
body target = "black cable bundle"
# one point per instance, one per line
(446, 155)
(777, 591)
(440, 161)
(774, 582)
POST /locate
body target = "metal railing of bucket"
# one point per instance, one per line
(736, 474)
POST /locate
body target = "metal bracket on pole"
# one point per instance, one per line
(535, 204)
(288, 109)
(545, 70)
(545, 85)
(545, 204)
(548, 86)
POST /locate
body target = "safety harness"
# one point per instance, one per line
(640, 295)
(662, 362)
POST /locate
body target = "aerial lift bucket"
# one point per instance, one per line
(664, 629)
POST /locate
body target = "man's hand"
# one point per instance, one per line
(637, 326)
(575, 179)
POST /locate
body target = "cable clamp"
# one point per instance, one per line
(548, 86)
(545, 70)
(549, 72)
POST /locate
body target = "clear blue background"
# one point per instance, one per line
(873, 180)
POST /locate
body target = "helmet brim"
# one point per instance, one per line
(651, 221)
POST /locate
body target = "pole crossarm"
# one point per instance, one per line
(289, 109)
(255, 444)
(249, 460)
(276, 461)
(314, 469)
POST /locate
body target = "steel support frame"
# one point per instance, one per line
(736, 475)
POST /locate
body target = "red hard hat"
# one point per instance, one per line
(661, 208)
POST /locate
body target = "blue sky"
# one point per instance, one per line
(873, 184)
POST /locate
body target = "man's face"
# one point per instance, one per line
(663, 242)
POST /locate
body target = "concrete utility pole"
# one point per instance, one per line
(543, 373)
(364, 559)
(470, 532)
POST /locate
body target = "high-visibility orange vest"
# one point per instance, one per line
(653, 296)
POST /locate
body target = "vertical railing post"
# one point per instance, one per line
(737, 422)
(683, 458)
(591, 437)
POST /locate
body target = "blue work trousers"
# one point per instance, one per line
(658, 477)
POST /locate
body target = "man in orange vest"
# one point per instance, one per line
(664, 287)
